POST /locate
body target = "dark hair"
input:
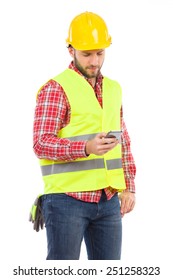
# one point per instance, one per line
(69, 46)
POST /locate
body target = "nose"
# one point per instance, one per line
(94, 59)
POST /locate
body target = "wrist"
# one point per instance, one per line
(87, 148)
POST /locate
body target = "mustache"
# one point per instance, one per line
(93, 66)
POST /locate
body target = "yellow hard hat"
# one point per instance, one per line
(88, 31)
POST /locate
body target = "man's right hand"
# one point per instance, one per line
(100, 145)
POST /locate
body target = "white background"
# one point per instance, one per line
(140, 58)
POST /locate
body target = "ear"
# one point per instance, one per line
(71, 51)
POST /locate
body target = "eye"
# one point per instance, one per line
(86, 54)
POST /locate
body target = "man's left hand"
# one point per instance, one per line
(127, 202)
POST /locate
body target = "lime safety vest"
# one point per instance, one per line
(88, 118)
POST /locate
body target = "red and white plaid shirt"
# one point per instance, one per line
(52, 113)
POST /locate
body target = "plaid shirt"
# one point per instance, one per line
(52, 113)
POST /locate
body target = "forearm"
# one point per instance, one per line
(130, 184)
(53, 148)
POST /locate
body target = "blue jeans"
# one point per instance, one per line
(68, 221)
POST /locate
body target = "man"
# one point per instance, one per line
(84, 169)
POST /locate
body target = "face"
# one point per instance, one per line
(88, 62)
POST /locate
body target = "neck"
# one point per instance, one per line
(92, 81)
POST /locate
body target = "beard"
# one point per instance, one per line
(91, 71)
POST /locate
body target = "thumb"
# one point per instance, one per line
(101, 135)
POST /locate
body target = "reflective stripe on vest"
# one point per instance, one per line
(80, 165)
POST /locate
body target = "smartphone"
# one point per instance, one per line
(114, 134)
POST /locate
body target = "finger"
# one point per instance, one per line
(125, 205)
(122, 206)
(129, 206)
(108, 146)
(132, 206)
(104, 148)
(109, 140)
